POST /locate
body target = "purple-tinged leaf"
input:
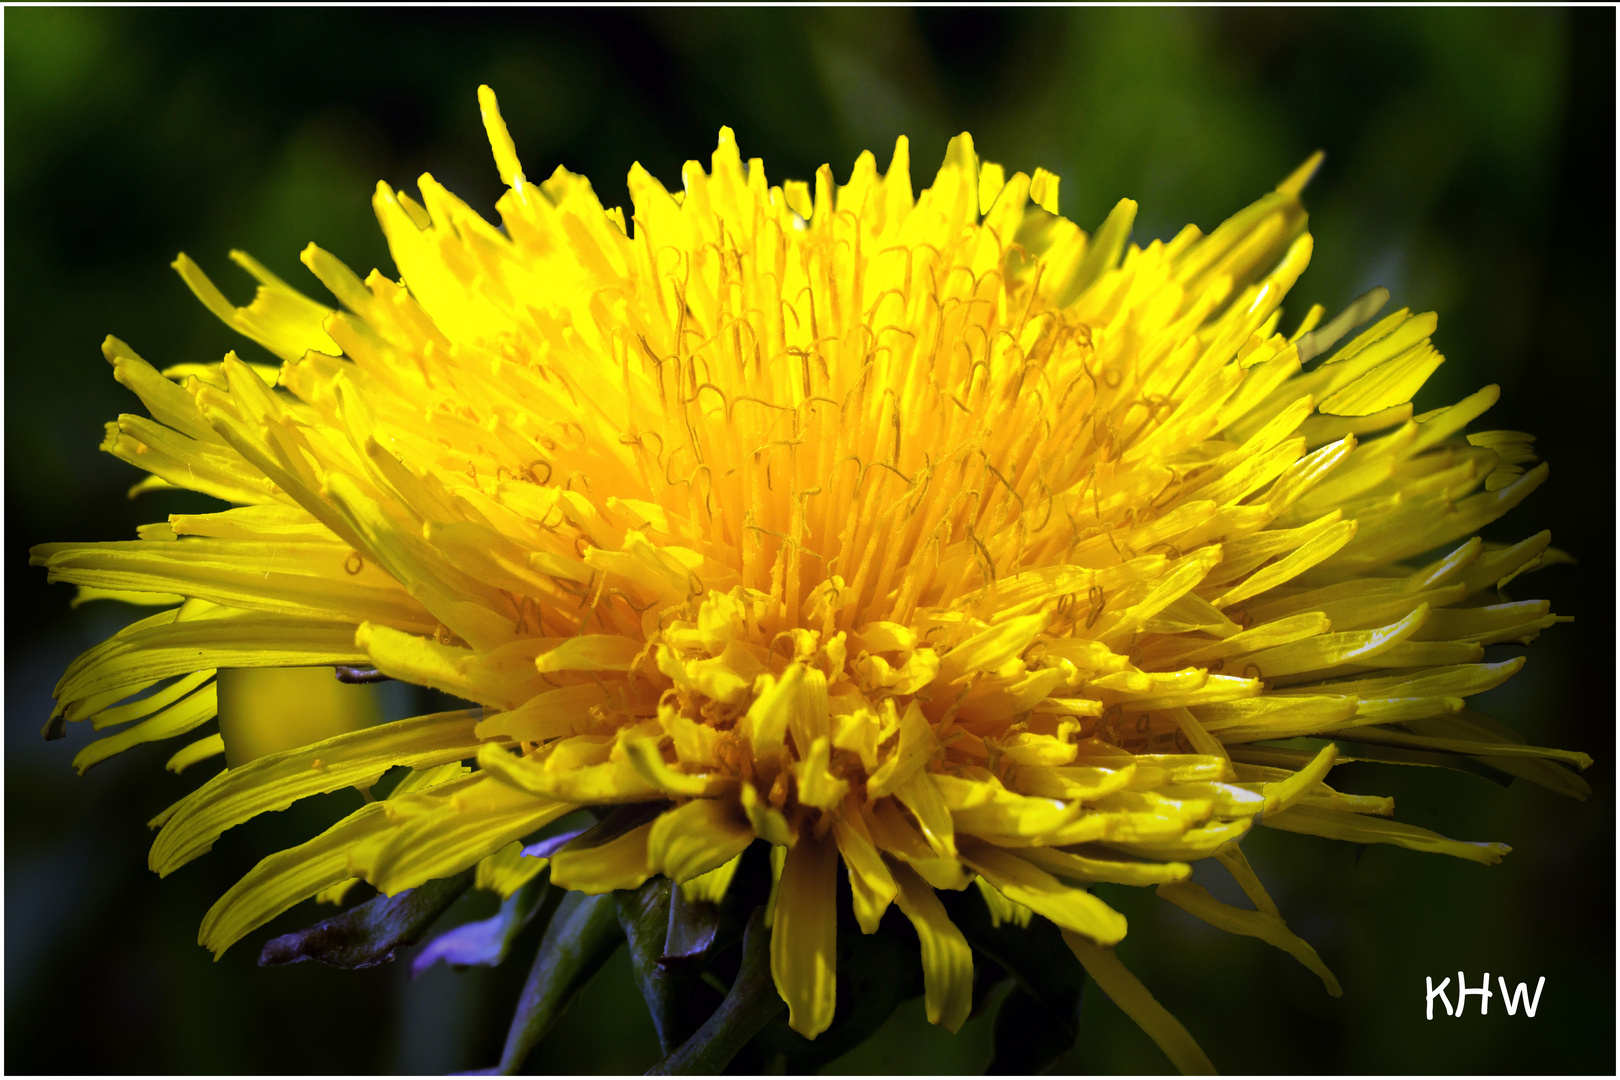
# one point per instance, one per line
(487, 942)
(545, 849)
(371, 933)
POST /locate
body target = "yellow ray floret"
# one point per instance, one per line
(915, 532)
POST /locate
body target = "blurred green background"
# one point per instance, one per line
(1470, 168)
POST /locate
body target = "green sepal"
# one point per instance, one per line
(751, 1003)
(614, 822)
(695, 928)
(370, 933)
(582, 934)
(677, 997)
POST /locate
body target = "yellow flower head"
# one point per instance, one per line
(922, 533)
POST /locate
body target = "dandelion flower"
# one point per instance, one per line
(922, 536)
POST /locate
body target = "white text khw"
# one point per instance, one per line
(1520, 996)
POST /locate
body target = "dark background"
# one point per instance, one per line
(1470, 168)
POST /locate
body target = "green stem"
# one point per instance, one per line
(751, 1004)
(581, 936)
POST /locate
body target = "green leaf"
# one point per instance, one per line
(751, 1003)
(677, 997)
(988, 977)
(369, 934)
(582, 935)
(1039, 1018)
(1029, 1037)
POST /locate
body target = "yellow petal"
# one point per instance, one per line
(804, 935)
(817, 786)
(503, 677)
(562, 712)
(913, 749)
(711, 887)
(303, 579)
(649, 762)
(201, 750)
(1081, 783)
(621, 863)
(590, 652)
(870, 881)
(1363, 830)
(1237, 864)
(1198, 842)
(506, 159)
(768, 822)
(443, 832)
(1067, 905)
(1196, 900)
(694, 839)
(922, 797)
(276, 781)
(508, 870)
(1002, 910)
(161, 647)
(947, 961)
(1391, 383)
(1134, 1000)
(177, 719)
(281, 880)
(1085, 868)
(893, 834)
(1283, 794)
(147, 705)
(316, 866)
(985, 808)
(1043, 190)
(608, 782)
(991, 648)
(767, 719)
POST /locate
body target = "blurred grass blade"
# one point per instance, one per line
(370, 933)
